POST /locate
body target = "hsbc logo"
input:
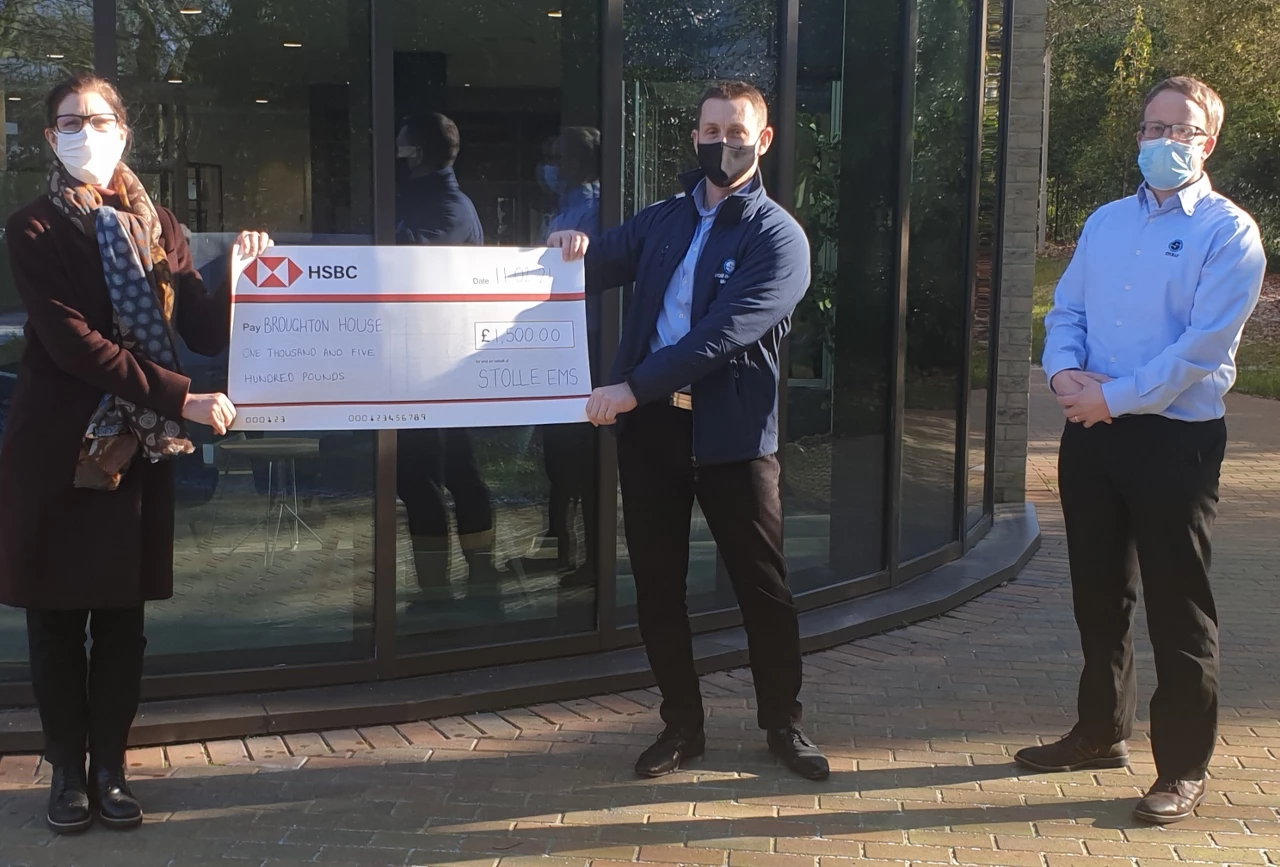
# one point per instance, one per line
(273, 272)
(281, 272)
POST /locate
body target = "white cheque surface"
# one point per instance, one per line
(337, 338)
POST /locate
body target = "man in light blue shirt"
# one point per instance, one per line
(1140, 349)
(673, 317)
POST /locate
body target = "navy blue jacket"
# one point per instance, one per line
(432, 209)
(752, 272)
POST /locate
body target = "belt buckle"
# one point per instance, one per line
(682, 400)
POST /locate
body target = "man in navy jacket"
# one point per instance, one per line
(694, 394)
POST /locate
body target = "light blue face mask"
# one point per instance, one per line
(1167, 164)
(549, 174)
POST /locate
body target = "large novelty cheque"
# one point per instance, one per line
(336, 338)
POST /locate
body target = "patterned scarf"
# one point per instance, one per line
(142, 298)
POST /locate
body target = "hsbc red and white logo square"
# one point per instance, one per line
(273, 272)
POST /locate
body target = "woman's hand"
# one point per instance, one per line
(214, 410)
(250, 245)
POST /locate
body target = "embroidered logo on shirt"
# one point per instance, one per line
(1175, 247)
(726, 271)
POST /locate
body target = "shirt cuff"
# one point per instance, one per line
(1122, 396)
(1058, 363)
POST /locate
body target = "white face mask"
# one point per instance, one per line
(91, 157)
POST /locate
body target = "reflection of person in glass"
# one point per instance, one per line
(572, 174)
(717, 275)
(432, 209)
(99, 412)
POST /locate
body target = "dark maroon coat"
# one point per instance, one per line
(66, 547)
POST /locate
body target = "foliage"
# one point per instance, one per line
(1107, 53)
(817, 209)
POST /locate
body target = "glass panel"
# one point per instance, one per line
(249, 120)
(936, 276)
(40, 44)
(674, 50)
(838, 390)
(988, 252)
(497, 525)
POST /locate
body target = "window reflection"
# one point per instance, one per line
(840, 350)
(497, 530)
(936, 277)
(42, 43)
(673, 51)
(249, 120)
(980, 393)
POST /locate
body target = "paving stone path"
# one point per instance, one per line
(920, 723)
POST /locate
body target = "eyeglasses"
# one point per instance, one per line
(70, 124)
(1183, 132)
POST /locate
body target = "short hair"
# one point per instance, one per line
(735, 89)
(437, 135)
(84, 82)
(580, 154)
(1197, 91)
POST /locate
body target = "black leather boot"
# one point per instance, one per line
(1073, 753)
(68, 801)
(116, 806)
(798, 753)
(1171, 800)
(672, 748)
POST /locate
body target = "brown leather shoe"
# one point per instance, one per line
(1073, 753)
(1170, 801)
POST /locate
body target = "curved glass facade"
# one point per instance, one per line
(323, 557)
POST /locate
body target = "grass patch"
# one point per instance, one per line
(1049, 269)
(1258, 368)
(1048, 272)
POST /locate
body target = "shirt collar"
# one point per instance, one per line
(700, 196)
(1188, 199)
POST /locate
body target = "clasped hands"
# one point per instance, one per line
(1080, 396)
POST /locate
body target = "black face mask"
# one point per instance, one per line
(725, 164)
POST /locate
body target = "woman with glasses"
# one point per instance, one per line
(100, 410)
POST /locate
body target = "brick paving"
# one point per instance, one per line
(920, 725)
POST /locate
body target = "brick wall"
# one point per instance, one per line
(1022, 191)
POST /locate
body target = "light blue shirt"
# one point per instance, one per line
(673, 319)
(1156, 298)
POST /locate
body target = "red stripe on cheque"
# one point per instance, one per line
(414, 402)
(405, 298)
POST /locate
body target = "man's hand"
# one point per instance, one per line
(1087, 406)
(1069, 382)
(606, 404)
(572, 244)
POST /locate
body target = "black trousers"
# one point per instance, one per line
(743, 508)
(1139, 497)
(568, 450)
(429, 462)
(86, 699)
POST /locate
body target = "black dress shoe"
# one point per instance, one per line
(1073, 753)
(68, 801)
(799, 753)
(673, 747)
(116, 806)
(1170, 801)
